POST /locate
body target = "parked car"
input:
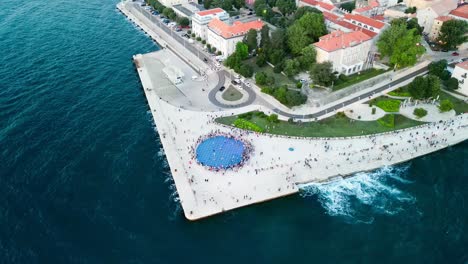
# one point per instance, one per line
(250, 13)
(247, 84)
(205, 59)
(455, 53)
(222, 88)
(237, 17)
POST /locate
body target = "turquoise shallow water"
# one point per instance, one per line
(83, 179)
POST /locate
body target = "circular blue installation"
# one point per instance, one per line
(220, 152)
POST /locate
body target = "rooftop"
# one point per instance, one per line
(463, 65)
(340, 40)
(323, 5)
(210, 12)
(339, 21)
(461, 11)
(236, 29)
(444, 18)
(365, 20)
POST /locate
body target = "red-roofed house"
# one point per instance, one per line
(347, 51)
(224, 37)
(426, 16)
(201, 19)
(365, 22)
(322, 6)
(335, 22)
(438, 22)
(460, 73)
(460, 13)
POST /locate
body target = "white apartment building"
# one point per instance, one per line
(201, 19)
(427, 15)
(224, 37)
(347, 51)
(460, 73)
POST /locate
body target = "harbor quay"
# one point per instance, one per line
(277, 164)
(267, 166)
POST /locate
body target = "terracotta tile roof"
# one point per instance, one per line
(462, 11)
(443, 18)
(379, 17)
(365, 20)
(320, 4)
(210, 12)
(339, 21)
(234, 30)
(463, 65)
(340, 40)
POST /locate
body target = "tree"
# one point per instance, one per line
(276, 56)
(183, 21)
(445, 105)
(265, 37)
(452, 84)
(297, 40)
(242, 50)
(307, 58)
(424, 87)
(251, 40)
(273, 118)
(286, 7)
(400, 45)
(245, 70)
(238, 3)
(304, 10)
(453, 33)
(322, 73)
(313, 24)
(261, 60)
(291, 67)
(410, 10)
(349, 6)
(260, 78)
(439, 69)
(207, 3)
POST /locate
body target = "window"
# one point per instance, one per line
(365, 26)
(371, 28)
(359, 24)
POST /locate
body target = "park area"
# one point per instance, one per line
(345, 81)
(336, 126)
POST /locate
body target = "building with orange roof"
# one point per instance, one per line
(461, 74)
(322, 6)
(224, 36)
(347, 51)
(427, 15)
(460, 13)
(365, 22)
(200, 20)
(438, 22)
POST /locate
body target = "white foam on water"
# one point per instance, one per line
(360, 197)
(161, 152)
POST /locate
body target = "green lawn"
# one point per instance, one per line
(401, 92)
(389, 105)
(232, 94)
(330, 127)
(356, 78)
(280, 79)
(459, 106)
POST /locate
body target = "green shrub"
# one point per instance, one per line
(445, 105)
(387, 121)
(244, 124)
(452, 84)
(273, 118)
(420, 112)
(203, 42)
(340, 115)
(198, 39)
(389, 105)
(299, 85)
(189, 32)
(374, 110)
(193, 35)
(285, 96)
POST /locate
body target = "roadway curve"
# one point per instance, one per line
(222, 78)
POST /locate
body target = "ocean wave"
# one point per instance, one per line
(360, 197)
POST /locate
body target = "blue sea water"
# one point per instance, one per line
(83, 178)
(220, 152)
